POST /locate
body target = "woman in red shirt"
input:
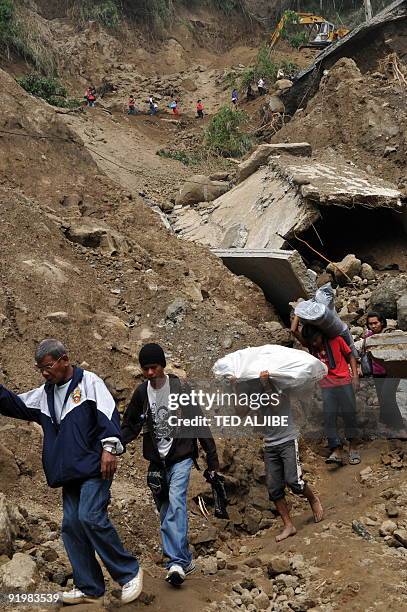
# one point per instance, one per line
(338, 389)
(199, 109)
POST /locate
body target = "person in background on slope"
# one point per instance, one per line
(261, 87)
(153, 107)
(171, 452)
(131, 105)
(235, 97)
(199, 110)
(91, 97)
(82, 437)
(174, 106)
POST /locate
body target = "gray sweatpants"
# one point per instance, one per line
(283, 469)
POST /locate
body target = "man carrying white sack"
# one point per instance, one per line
(281, 452)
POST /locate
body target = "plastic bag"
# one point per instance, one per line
(326, 295)
(288, 368)
(321, 312)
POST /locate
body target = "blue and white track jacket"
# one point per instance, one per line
(71, 450)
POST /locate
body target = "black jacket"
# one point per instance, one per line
(138, 417)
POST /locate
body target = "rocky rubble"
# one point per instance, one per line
(272, 583)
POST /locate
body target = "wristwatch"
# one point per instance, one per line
(111, 449)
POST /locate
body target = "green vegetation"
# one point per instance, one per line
(182, 156)
(297, 39)
(21, 33)
(8, 27)
(48, 89)
(265, 68)
(294, 38)
(106, 12)
(224, 134)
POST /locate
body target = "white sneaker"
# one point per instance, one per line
(191, 568)
(77, 597)
(175, 575)
(133, 588)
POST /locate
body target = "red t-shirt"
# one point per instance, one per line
(340, 374)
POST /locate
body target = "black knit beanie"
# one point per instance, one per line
(151, 354)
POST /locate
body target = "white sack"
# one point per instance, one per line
(288, 367)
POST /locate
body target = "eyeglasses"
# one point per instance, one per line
(48, 367)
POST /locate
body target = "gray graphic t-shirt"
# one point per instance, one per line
(158, 400)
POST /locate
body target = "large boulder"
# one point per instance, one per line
(283, 84)
(11, 524)
(200, 188)
(275, 104)
(346, 269)
(384, 297)
(20, 573)
(261, 154)
(96, 234)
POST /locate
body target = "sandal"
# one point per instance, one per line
(333, 458)
(354, 457)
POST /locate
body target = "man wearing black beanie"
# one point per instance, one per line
(172, 450)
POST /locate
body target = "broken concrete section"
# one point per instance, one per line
(281, 274)
(390, 350)
(282, 199)
(339, 183)
(260, 156)
(258, 213)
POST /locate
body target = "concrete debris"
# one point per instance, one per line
(337, 183)
(199, 188)
(280, 200)
(261, 154)
(282, 275)
(267, 208)
(390, 349)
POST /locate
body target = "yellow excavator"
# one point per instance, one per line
(321, 32)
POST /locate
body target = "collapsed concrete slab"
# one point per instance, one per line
(281, 274)
(390, 350)
(281, 200)
(336, 182)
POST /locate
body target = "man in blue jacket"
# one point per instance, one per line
(82, 437)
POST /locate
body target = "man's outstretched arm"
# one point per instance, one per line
(25, 406)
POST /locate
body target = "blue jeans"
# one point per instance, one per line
(339, 401)
(174, 515)
(86, 529)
